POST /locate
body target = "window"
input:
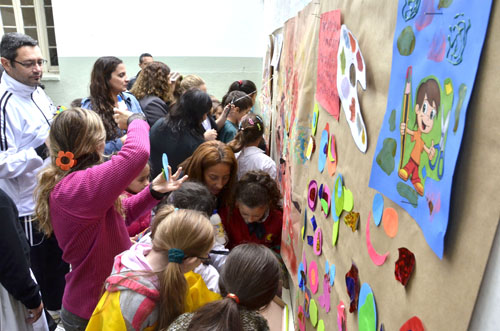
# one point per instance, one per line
(34, 18)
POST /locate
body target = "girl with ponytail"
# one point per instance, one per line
(148, 288)
(78, 200)
(245, 146)
(249, 281)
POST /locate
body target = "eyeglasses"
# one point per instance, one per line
(31, 64)
(204, 260)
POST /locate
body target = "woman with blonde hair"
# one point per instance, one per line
(147, 288)
(213, 164)
(153, 90)
(78, 198)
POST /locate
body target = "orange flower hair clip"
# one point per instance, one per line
(65, 160)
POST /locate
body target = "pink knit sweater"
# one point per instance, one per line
(89, 230)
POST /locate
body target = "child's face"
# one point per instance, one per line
(251, 215)
(426, 115)
(243, 113)
(216, 177)
(218, 111)
(140, 182)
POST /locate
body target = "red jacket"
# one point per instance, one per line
(238, 233)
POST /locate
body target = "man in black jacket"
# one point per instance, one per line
(144, 60)
(15, 275)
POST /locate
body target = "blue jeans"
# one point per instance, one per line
(71, 322)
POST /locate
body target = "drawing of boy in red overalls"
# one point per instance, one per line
(426, 110)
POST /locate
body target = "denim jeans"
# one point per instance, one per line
(71, 322)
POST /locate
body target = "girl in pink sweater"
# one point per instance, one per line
(78, 199)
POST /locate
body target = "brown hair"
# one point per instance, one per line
(74, 130)
(430, 88)
(153, 80)
(190, 231)
(257, 188)
(208, 154)
(252, 129)
(100, 92)
(252, 273)
(239, 99)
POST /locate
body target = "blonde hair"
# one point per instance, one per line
(190, 231)
(191, 81)
(76, 130)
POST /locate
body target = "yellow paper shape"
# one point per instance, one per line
(348, 200)
(335, 232)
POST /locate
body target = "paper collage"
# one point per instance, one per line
(319, 178)
(436, 53)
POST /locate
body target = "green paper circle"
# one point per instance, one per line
(313, 312)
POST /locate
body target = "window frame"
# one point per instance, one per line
(41, 29)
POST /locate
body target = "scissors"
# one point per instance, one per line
(440, 147)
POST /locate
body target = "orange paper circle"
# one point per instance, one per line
(390, 222)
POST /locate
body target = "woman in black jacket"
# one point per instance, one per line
(180, 132)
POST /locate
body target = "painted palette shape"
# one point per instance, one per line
(324, 198)
(313, 277)
(339, 195)
(367, 310)
(413, 324)
(323, 148)
(312, 195)
(352, 286)
(376, 258)
(301, 317)
(324, 299)
(341, 320)
(351, 70)
(311, 147)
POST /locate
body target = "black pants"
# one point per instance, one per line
(46, 264)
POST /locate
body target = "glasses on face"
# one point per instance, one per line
(31, 64)
(204, 260)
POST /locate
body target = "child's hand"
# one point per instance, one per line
(163, 186)
(229, 107)
(432, 151)
(403, 128)
(210, 135)
(121, 117)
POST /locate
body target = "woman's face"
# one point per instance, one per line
(119, 80)
(216, 177)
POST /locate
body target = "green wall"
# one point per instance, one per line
(218, 73)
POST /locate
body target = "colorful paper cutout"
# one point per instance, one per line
(404, 265)
(352, 285)
(325, 199)
(348, 200)
(313, 276)
(314, 122)
(378, 208)
(307, 301)
(301, 274)
(313, 312)
(351, 69)
(420, 36)
(332, 274)
(376, 258)
(301, 317)
(318, 241)
(328, 43)
(164, 161)
(390, 222)
(413, 324)
(310, 240)
(351, 220)
(323, 148)
(324, 299)
(335, 232)
(311, 147)
(313, 223)
(339, 195)
(332, 156)
(341, 316)
(367, 310)
(312, 195)
(303, 230)
(321, 326)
